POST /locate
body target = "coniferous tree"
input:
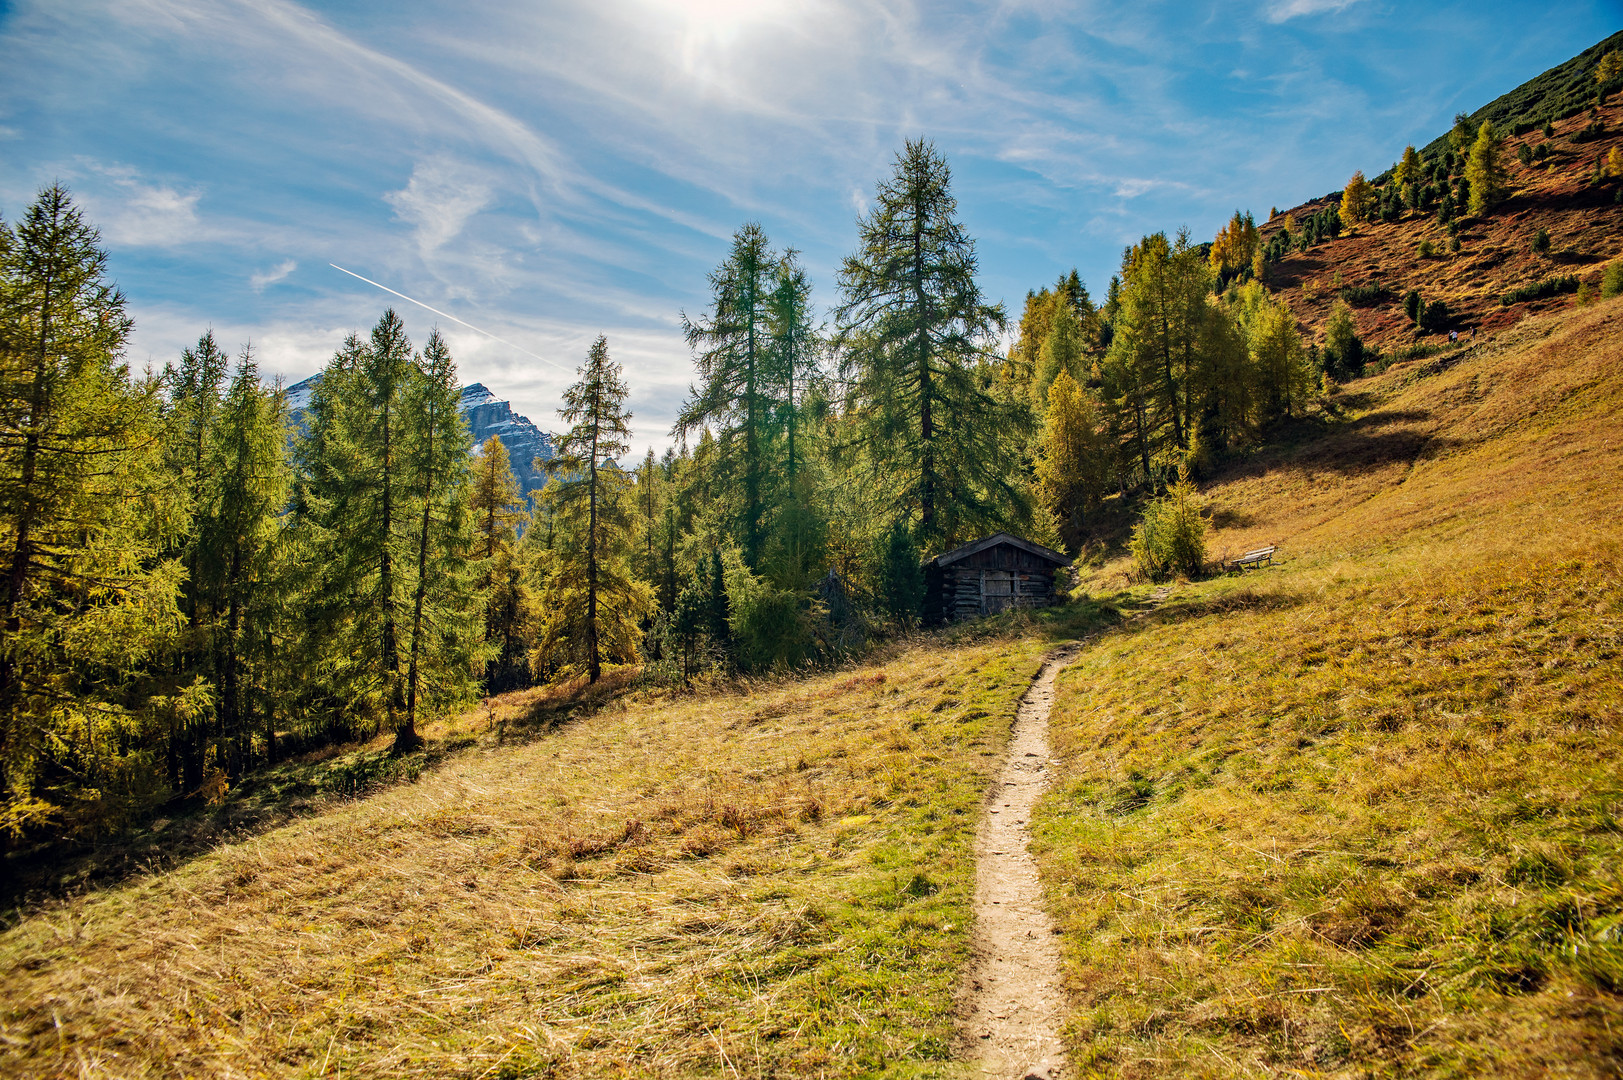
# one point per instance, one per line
(594, 606)
(241, 563)
(1073, 458)
(497, 502)
(915, 331)
(357, 510)
(87, 602)
(1484, 172)
(445, 640)
(1356, 199)
(737, 391)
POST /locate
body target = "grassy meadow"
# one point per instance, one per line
(774, 882)
(1361, 814)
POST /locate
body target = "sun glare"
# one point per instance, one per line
(719, 18)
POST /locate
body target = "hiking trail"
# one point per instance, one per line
(1012, 1005)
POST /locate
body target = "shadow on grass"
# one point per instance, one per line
(276, 795)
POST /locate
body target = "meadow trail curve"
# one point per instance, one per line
(1012, 1005)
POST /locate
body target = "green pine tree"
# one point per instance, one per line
(446, 638)
(736, 391)
(916, 333)
(241, 565)
(594, 605)
(87, 600)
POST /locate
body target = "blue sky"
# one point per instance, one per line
(549, 171)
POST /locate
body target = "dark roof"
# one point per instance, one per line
(1001, 538)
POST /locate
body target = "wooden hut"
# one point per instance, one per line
(999, 572)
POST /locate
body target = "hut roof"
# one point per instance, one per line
(995, 540)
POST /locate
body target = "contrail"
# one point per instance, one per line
(443, 315)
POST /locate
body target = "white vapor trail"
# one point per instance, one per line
(453, 318)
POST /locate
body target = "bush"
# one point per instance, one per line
(1426, 250)
(1539, 290)
(1612, 284)
(1541, 152)
(1595, 129)
(1413, 305)
(1435, 317)
(1343, 349)
(1548, 131)
(1541, 241)
(1454, 242)
(1171, 536)
(771, 627)
(901, 576)
(1524, 154)
(1365, 295)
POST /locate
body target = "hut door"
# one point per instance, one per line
(997, 591)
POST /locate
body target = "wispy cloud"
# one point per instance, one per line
(438, 201)
(262, 278)
(1281, 10)
(136, 213)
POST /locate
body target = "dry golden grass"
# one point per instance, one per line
(771, 883)
(1362, 814)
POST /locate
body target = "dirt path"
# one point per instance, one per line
(1012, 1006)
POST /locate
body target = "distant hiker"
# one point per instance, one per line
(1453, 336)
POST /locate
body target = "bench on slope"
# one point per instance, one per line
(1259, 557)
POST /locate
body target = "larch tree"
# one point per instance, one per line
(593, 604)
(1484, 171)
(1073, 458)
(915, 333)
(241, 564)
(446, 638)
(1234, 245)
(87, 600)
(356, 507)
(735, 392)
(499, 515)
(1357, 199)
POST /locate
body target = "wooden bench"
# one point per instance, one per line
(1259, 557)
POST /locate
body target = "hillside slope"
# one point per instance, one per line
(1584, 222)
(1359, 814)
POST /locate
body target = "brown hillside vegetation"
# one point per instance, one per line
(1585, 226)
(1362, 814)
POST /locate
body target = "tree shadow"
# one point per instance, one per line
(278, 795)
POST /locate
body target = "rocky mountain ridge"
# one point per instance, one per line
(485, 414)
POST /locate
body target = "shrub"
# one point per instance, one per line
(1413, 305)
(1541, 241)
(1595, 129)
(1365, 295)
(1585, 297)
(1612, 284)
(1171, 536)
(901, 576)
(1539, 290)
(1454, 242)
(1548, 131)
(1426, 250)
(1435, 316)
(1343, 349)
(770, 627)
(1524, 154)
(1542, 151)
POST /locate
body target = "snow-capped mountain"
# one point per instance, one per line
(486, 416)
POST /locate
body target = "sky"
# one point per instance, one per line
(548, 171)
